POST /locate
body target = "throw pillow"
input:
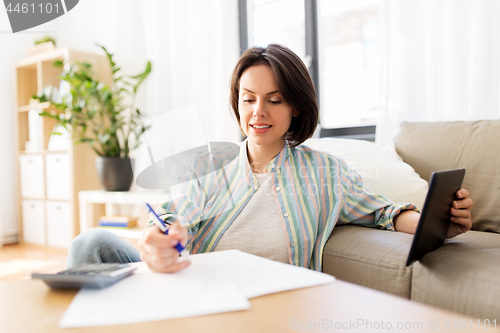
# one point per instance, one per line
(473, 145)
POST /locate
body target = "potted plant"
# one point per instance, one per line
(100, 116)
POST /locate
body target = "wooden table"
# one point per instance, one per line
(30, 306)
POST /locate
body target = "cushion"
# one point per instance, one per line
(382, 170)
(462, 276)
(473, 145)
(370, 257)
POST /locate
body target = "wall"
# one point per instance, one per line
(12, 48)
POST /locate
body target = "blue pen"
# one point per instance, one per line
(156, 219)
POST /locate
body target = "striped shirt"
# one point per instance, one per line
(313, 191)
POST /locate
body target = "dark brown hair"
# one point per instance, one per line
(294, 82)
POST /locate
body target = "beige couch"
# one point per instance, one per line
(464, 274)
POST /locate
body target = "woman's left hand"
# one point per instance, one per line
(460, 214)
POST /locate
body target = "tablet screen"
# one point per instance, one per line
(435, 218)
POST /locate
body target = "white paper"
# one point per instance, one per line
(257, 276)
(197, 290)
(215, 282)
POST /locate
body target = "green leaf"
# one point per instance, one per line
(49, 115)
(109, 55)
(141, 77)
(128, 83)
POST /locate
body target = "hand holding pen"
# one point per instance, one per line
(160, 249)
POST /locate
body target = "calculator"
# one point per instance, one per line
(87, 276)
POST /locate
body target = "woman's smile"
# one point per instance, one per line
(260, 128)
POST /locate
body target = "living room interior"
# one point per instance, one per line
(405, 88)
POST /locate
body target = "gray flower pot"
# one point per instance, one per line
(115, 173)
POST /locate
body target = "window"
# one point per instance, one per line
(349, 62)
(281, 22)
(338, 41)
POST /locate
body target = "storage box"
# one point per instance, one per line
(59, 223)
(33, 221)
(31, 176)
(58, 176)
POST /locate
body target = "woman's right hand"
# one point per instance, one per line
(158, 251)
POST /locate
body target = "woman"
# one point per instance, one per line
(281, 199)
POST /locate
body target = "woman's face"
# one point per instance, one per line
(265, 117)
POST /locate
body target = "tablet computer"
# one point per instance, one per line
(435, 217)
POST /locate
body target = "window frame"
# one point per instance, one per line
(361, 132)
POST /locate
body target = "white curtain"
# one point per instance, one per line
(440, 61)
(194, 45)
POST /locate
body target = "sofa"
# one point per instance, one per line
(464, 274)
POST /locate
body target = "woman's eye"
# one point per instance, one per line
(275, 102)
(247, 100)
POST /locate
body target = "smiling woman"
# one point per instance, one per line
(275, 197)
(264, 116)
(288, 78)
(273, 99)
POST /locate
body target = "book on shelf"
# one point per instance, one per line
(118, 221)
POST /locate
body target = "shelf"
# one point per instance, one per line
(33, 106)
(64, 200)
(42, 130)
(24, 152)
(132, 233)
(27, 84)
(44, 152)
(91, 208)
(32, 75)
(46, 199)
(31, 62)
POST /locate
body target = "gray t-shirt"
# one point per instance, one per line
(257, 229)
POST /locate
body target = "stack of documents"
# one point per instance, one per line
(213, 283)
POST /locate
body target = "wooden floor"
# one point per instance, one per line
(17, 262)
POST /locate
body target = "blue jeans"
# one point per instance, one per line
(99, 246)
